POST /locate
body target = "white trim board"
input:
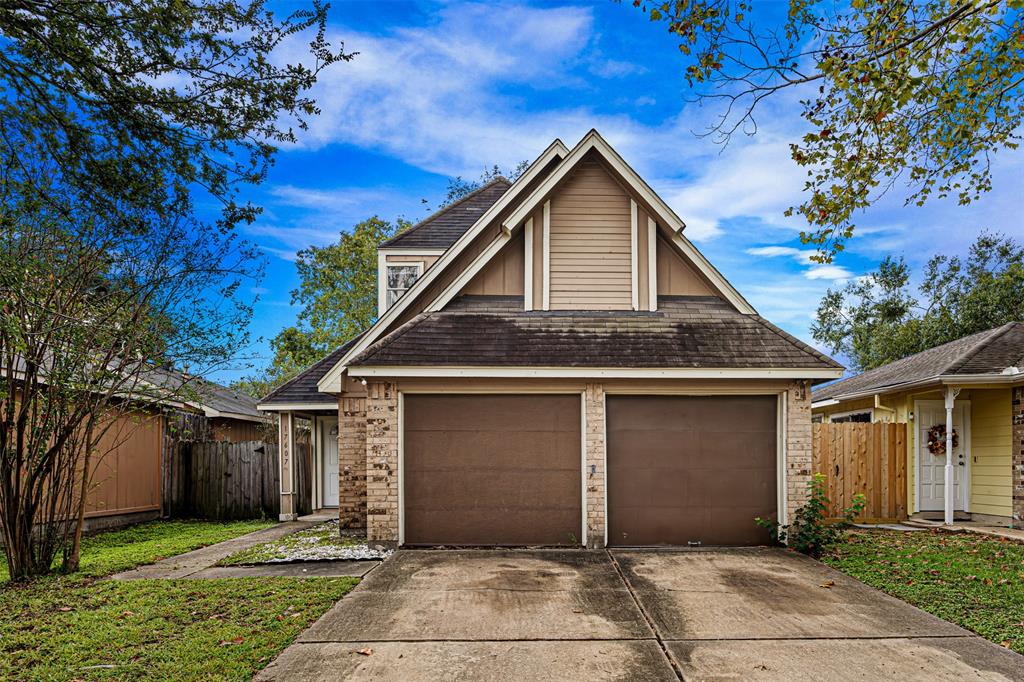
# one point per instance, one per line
(634, 257)
(652, 265)
(546, 258)
(595, 372)
(528, 266)
(331, 381)
(289, 407)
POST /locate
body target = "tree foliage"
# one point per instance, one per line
(921, 93)
(880, 318)
(117, 120)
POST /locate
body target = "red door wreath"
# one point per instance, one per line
(937, 439)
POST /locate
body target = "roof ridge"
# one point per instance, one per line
(993, 334)
(444, 209)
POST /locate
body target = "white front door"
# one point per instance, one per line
(931, 467)
(329, 453)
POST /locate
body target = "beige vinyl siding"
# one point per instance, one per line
(504, 274)
(991, 444)
(676, 277)
(590, 242)
(643, 267)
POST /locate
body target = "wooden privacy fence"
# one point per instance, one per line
(222, 480)
(864, 458)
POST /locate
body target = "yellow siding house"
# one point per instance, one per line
(975, 384)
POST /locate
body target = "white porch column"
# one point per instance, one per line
(950, 479)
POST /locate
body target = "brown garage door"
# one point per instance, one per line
(686, 469)
(492, 469)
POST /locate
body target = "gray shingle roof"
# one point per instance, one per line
(687, 331)
(987, 352)
(302, 387)
(443, 228)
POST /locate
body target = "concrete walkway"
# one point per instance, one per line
(200, 564)
(759, 614)
(978, 527)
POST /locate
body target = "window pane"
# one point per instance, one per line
(401, 276)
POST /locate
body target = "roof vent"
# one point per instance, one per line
(1011, 370)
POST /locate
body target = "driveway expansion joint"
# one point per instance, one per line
(650, 623)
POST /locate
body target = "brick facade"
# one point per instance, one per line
(595, 473)
(799, 455)
(382, 463)
(1017, 456)
(381, 452)
(352, 462)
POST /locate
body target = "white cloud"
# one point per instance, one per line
(834, 273)
(614, 68)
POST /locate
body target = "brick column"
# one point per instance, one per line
(594, 475)
(352, 462)
(1017, 454)
(798, 445)
(382, 463)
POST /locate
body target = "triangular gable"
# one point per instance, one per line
(593, 142)
(331, 382)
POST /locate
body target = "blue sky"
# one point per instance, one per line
(439, 90)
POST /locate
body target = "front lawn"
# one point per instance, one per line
(79, 627)
(974, 581)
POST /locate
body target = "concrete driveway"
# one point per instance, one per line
(758, 614)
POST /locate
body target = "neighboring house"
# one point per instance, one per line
(555, 363)
(976, 384)
(127, 484)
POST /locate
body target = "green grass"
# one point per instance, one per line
(319, 536)
(79, 627)
(971, 580)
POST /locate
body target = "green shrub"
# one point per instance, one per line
(810, 533)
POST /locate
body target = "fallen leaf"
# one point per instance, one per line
(65, 609)
(229, 642)
(365, 652)
(1005, 643)
(829, 584)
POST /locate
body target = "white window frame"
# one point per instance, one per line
(382, 277)
(870, 411)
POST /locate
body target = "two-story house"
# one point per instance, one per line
(555, 363)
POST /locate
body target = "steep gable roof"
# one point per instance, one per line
(593, 142)
(444, 227)
(986, 353)
(331, 381)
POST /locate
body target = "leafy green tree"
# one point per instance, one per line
(919, 92)
(879, 318)
(338, 298)
(118, 119)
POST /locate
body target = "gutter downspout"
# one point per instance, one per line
(880, 406)
(951, 394)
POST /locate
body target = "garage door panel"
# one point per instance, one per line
(453, 451)
(475, 528)
(492, 470)
(500, 413)
(690, 468)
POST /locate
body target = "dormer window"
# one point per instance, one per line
(400, 277)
